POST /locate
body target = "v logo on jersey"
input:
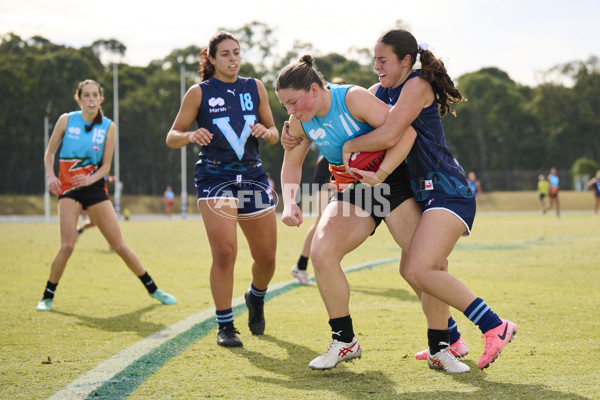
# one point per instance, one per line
(317, 134)
(237, 143)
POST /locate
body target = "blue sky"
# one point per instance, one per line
(522, 38)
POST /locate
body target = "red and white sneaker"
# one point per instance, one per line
(338, 352)
(444, 359)
(495, 340)
(458, 349)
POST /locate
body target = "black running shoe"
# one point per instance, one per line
(256, 316)
(227, 337)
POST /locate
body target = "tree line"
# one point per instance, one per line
(506, 132)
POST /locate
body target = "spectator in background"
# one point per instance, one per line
(594, 184)
(553, 191)
(474, 185)
(169, 197)
(542, 187)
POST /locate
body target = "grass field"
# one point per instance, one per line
(540, 272)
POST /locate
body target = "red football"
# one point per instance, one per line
(367, 160)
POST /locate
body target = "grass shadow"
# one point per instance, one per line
(130, 322)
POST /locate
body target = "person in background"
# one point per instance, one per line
(553, 191)
(594, 184)
(271, 182)
(169, 197)
(474, 185)
(542, 188)
(88, 139)
(233, 115)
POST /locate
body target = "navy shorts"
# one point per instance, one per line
(87, 196)
(249, 188)
(462, 207)
(381, 200)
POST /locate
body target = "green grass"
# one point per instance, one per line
(540, 272)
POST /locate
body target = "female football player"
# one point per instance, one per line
(88, 139)
(232, 114)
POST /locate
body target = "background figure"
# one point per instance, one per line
(88, 140)
(543, 187)
(231, 182)
(474, 185)
(321, 178)
(594, 184)
(553, 191)
(169, 197)
(271, 183)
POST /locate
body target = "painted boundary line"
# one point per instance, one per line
(119, 376)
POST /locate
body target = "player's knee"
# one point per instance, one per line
(67, 249)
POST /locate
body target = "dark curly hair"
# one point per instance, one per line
(206, 69)
(433, 69)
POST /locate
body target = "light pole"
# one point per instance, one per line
(183, 149)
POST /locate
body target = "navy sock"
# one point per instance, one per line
(437, 339)
(302, 263)
(225, 318)
(341, 329)
(256, 296)
(49, 291)
(453, 328)
(148, 283)
(481, 315)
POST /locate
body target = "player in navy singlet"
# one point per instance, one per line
(594, 185)
(87, 148)
(439, 184)
(233, 116)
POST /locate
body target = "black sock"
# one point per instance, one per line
(148, 283)
(302, 263)
(341, 329)
(438, 340)
(49, 291)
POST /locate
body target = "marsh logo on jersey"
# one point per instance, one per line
(216, 104)
(317, 134)
(73, 132)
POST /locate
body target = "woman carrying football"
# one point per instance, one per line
(329, 115)
(438, 181)
(88, 139)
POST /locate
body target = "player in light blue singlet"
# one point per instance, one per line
(553, 188)
(233, 116)
(87, 148)
(439, 184)
(329, 115)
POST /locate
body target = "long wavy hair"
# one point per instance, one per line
(433, 69)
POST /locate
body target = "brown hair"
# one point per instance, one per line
(300, 75)
(433, 69)
(206, 69)
(98, 118)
